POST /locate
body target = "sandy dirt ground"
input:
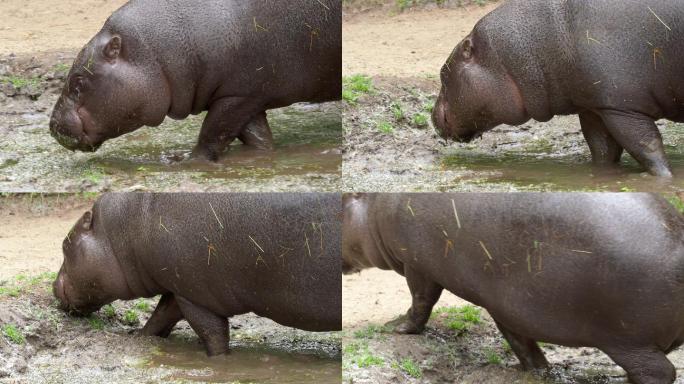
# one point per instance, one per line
(33, 26)
(407, 44)
(376, 297)
(31, 242)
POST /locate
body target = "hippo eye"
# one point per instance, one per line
(76, 85)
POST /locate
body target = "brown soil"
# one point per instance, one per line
(47, 25)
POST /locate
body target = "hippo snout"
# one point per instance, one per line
(67, 127)
(60, 294)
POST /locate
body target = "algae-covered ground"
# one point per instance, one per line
(307, 155)
(391, 145)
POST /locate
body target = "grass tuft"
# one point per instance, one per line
(13, 334)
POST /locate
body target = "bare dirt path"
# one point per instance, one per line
(31, 243)
(48, 25)
(376, 297)
(407, 44)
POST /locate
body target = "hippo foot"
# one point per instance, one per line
(206, 153)
(404, 326)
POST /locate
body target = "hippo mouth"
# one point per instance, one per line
(64, 304)
(348, 269)
(469, 137)
(75, 138)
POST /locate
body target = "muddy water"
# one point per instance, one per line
(307, 156)
(562, 173)
(246, 364)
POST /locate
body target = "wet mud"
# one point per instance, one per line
(307, 154)
(392, 146)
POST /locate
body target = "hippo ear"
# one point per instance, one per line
(87, 221)
(467, 48)
(113, 48)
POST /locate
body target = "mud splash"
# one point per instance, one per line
(246, 363)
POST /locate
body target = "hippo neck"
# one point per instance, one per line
(137, 282)
(540, 62)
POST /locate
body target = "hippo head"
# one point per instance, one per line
(477, 93)
(90, 276)
(108, 93)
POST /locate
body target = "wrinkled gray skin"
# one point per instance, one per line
(610, 61)
(596, 270)
(210, 256)
(236, 59)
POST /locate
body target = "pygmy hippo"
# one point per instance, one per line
(236, 59)
(616, 63)
(596, 270)
(210, 256)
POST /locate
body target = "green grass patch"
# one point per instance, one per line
(410, 367)
(13, 334)
(371, 331)
(397, 111)
(384, 127)
(94, 175)
(109, 311)
(61, 67)
(96, 323)
(355, 86)
(420, 120)
(142, 305)
(360, 354)
(677, 202)
(429, 106)
(10, 291)
(20, 82)
(458, 318)
(492, 357)
(131, 317)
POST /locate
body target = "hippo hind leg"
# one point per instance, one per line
(644, 365)
(639, 135)
(424, 294)
(211, 328)
(257, 133)
(528, 352)
(605, 151)
(164, 318)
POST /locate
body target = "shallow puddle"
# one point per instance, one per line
(308, 138)
(246, 364)
(546, 171)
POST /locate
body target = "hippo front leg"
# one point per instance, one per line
(424, 295)
(257, 133)
(528, 352)
(224, 123)
(165, 316)
(640, 137)
(604, 149)
(211, 328)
